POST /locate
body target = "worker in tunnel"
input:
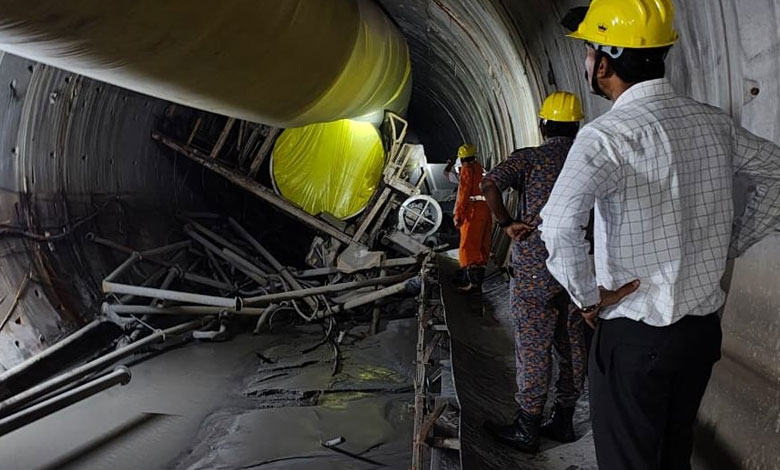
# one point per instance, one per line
(659, 169)
(472, 218)
(543, 319)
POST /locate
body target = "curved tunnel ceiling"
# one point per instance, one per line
(473, 79)
(71, 145)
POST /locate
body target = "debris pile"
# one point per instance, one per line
(220, 270)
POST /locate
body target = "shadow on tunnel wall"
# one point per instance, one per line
(711, 450)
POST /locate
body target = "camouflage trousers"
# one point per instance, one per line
(545, 324)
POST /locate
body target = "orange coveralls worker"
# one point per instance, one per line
(473, 218)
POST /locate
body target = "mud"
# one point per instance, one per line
(224, 406)
(484, 372)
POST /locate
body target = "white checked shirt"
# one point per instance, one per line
(659, 169)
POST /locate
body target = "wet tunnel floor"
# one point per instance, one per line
(484, 371)
(224, 406)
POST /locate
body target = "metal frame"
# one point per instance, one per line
(247, 183)
(431, 334)
(420, 216)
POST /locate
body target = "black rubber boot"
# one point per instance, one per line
(522, 434)
(560, 425)
(475, 277)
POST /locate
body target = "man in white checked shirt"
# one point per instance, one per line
(659, 170)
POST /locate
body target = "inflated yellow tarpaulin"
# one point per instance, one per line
(333, 167)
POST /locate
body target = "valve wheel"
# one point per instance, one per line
(420, 215)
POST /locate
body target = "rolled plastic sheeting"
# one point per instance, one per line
(333, 167)
(279, 62)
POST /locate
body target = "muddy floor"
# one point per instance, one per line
(484, 372)
(484, 368)
(256, 402)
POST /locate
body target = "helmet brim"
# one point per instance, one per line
(600, 41)
(558, 119)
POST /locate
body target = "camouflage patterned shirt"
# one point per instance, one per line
(532, 172)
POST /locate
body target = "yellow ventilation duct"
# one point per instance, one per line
(285, 63)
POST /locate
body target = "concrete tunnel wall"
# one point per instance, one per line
(72, 148)
(69, 145)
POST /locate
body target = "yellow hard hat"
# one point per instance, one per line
(562, 106)
(466, 151)
(633, 24)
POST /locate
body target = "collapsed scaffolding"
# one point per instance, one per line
(218, 274)
(228, 272)
(348, 258)
(355, 251)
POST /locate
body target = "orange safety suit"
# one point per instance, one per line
(473, 218)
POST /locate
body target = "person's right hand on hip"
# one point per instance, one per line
(519, 230)
(608, 299)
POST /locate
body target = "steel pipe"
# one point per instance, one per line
(173, 273)
(155, 277)
(187, 276)
(123, 249)
(390, 263)
(107, 308)
(26, 397)
(286, 275)
(218, 252)
(376, 313)
(275, 264)
(237, 259)
(120, 375)
(219, 239)
(346, 297)
(134, 258)
(108, 243)
(163, 250)
(374, 296)
(316, 272)
(301, 293)
(205, 281)
(215, 335)
(51, 351)
(220, 273)
(151, 293)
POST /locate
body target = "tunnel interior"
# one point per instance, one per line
(77, 157)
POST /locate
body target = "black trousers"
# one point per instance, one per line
(646, 385)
